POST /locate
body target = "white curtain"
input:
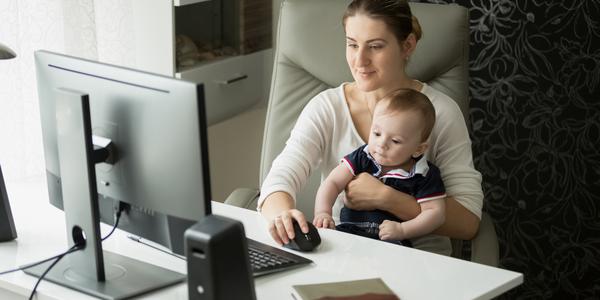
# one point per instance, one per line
(93, 29)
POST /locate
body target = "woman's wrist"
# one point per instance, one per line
(402, 205)
(383, 198)
(275, 203)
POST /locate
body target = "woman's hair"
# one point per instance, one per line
(410, 100)
(395, 14)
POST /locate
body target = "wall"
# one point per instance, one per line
(535, 112)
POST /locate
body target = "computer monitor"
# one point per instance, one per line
(131, 137)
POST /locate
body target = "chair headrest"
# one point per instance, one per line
(311, 37)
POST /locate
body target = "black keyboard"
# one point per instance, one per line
(265, 259)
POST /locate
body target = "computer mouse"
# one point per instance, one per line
(304, 241)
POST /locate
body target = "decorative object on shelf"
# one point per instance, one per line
(6, 53)
(189, 53)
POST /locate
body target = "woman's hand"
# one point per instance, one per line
(366, 192)
(363, 193)
(281, 228)
(324, 220)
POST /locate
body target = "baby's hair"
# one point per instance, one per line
(408, 99)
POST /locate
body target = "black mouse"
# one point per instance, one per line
(304, 241)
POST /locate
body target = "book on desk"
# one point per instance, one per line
(364, 289)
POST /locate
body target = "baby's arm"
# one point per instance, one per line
(330, 188)
(432, 216)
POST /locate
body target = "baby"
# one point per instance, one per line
(402, 122)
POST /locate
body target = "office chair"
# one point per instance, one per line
(309, 58)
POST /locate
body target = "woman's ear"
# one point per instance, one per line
(410, 44)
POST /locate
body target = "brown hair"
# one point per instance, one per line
(411, 100)
(395, 14)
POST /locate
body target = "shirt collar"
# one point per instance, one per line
(421, 167)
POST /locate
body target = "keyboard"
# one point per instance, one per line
(265, 259)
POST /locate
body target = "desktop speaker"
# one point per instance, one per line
(7, 225)
(218, 266)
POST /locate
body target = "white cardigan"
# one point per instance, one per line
(325, 133)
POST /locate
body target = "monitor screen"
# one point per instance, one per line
(159, 133)
(159, 153)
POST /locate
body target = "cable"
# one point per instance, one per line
(57, 258)
(71, 250)
(122, 207)
(35, 263)
(139, 240)
(117, 218)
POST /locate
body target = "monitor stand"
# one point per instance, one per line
(92, 271)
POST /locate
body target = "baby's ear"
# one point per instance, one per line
(421, 149)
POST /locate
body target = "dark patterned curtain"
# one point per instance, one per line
(535, 117)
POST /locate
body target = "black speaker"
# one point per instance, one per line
(218, 266)
(7, 225)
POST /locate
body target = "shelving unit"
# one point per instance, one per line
(233, 82)
(187, 2)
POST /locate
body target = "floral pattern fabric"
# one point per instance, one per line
(535, 121)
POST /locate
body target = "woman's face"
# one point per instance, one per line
(373, 53)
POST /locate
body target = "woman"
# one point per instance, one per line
(380, 36)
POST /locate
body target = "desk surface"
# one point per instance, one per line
(412, 274)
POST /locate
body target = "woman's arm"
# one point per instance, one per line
(292, 167)
(460, 222)
(365, 192)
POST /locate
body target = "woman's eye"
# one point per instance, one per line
(352, 46)
(376, 47)
(395, 141)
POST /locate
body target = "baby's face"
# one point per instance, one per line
(395, 137)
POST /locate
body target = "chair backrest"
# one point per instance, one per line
(310, 57)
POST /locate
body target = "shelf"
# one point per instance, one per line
(187, 2)
(232, 85)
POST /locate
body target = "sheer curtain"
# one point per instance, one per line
(93, 29)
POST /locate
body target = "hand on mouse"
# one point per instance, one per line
(281, 228)
(323, 220)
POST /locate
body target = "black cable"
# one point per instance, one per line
(72, 249)
(58, 257)
(35, 263)
(117, 218)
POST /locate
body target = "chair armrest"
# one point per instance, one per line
(484, 247)
(244, 198)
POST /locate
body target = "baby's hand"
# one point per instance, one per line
(390, 230)
(323, 220)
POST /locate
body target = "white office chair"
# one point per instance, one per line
(309, 59)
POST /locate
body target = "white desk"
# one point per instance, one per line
(411, 273)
